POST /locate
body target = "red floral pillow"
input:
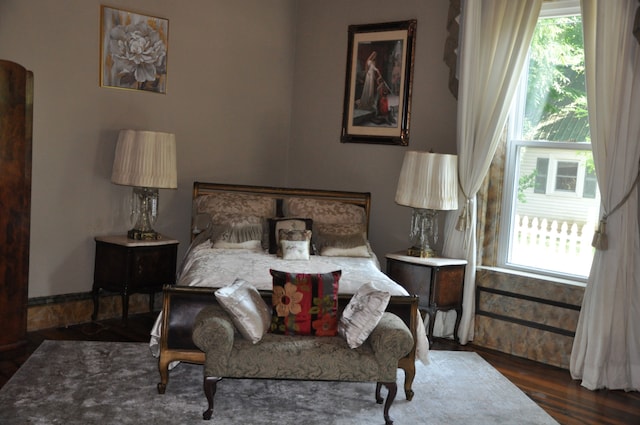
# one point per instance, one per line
(305, 303)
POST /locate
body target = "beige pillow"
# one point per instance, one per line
(341, 245)
(294, 244)
(362, 314)
(250, 314)
(243, 232)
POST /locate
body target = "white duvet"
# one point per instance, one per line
(214, 267)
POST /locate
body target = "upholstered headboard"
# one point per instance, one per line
(217, 201)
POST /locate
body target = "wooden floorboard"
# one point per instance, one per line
(550, 387)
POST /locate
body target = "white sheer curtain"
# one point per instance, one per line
(496, 35)
(606, 348)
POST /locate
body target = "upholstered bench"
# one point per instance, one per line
(229, 355)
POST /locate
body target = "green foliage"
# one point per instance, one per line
(526, 182)
(556, 85)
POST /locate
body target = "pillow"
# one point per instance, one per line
(275, 224)
(325, 211)
(223, 204)
(250, 314)
(294, 244)
(362, 314)
(305, 303)
(238, 232)
(342, 245)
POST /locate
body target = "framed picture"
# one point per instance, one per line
(377, 99)
(133, 50)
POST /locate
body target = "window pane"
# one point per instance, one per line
(556, 103)
(590, 184)
(552, 231)
(566, 176)
(554, 204)
(542, 170)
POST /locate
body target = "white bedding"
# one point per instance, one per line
(214, 267)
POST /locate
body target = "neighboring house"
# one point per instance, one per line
(564, 188)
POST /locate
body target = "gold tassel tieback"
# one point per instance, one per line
(600, 241)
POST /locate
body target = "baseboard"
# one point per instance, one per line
(73, 309)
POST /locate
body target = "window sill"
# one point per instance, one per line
(535, 276)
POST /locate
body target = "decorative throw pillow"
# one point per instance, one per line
(294, 244)
(362, 314)
(238, 232)
(276, 224)
(305, 303)
(250, 314)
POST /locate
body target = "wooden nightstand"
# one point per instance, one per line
(130, 266)
(439, 282)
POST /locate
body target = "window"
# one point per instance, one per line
(551, 200)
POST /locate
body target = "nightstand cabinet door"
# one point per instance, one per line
(152, 268)
(447, 290)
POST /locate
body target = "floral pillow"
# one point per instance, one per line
(305, 303)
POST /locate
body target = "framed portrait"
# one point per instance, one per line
(133, 50)
(377, 99)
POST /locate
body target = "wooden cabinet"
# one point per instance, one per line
(439, 283)
(128, 266)
(16, 111)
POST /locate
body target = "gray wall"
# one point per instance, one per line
(317, 158)
(254, 96)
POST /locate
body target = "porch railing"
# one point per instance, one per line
(553, 245)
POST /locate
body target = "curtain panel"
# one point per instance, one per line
(606, 348)
(495, 38)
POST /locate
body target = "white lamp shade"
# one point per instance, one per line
(145, 159)
(428, 181)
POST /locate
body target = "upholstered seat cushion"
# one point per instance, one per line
(300, 357)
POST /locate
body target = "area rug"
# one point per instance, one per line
(71, 382)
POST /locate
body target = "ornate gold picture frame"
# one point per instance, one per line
(133, 50)
(377, 100)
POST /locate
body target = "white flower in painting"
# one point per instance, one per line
(138, 52)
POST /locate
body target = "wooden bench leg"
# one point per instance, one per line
(392, 390)
(163, 368)
(408, 365)
(210, 384)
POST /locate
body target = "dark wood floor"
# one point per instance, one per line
(552, 388)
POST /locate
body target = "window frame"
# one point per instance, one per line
(515, 142)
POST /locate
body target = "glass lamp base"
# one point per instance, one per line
(143, 235)
(421, 252)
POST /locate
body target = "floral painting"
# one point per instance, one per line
(133, 51)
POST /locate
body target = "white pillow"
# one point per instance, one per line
(295, 250)
(362, 314)
(249, 312)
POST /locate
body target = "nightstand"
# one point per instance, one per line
(439, 283)
(129, 266)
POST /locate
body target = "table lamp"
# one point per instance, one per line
(145, 160)
(428, 183)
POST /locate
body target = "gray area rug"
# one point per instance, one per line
(70, 382)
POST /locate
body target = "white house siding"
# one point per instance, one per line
(569, 207)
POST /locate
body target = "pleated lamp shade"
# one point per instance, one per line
(145, 159)
(428, 181)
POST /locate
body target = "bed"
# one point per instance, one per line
(235, 235)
